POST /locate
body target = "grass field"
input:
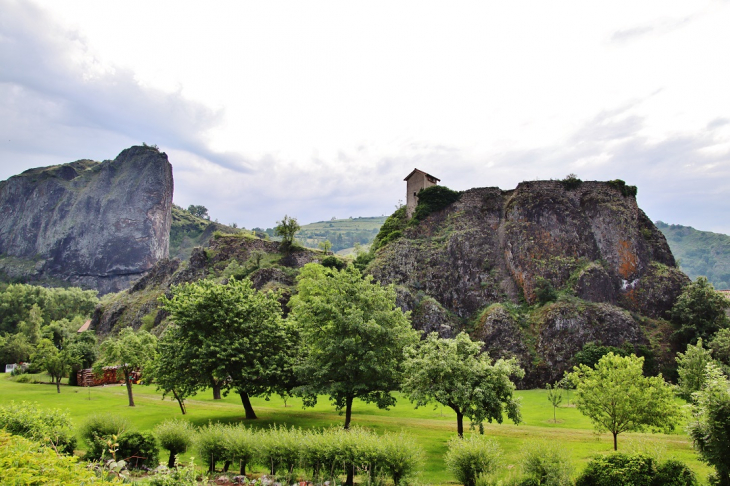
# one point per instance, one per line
(432, 427)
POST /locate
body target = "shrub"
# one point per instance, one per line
(50, 427)
(470, 458)
(333, 262)
(571, 182)
(625, 190)
(279, 450)
(176, 476)
(358, 449)
(241, 446)
(547, 464)
(24, 461)
(617, 468)
(318, 453)
(211, 444)
(392, 228)
(99, 428)
(674, 473)
(544, 291)
(432, 199)
(402, 457)
(175, 436)
(138, 449)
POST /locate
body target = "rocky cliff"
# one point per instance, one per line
(537, 272)
(98, 225)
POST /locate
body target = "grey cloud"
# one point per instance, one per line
(661, 26)
(53, 103)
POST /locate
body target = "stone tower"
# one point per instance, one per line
(415, 181)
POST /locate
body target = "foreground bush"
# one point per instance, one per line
(636, 469)
(138, 449)
(241, 446)
(100, 429)
(175, 436)
(27, 462)
(402, 457)
(472, 457)
(50, 427)
(279, 450)
(547, 465)
(210, 441)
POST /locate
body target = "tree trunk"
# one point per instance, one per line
(615, 444)
(460, 424)
(171, 460)
(58, 384)
(216, 390)
(243, 468)
(179, 402)
(250, 414)
(226, 465)
(350, 475)
(348, 412)
(129, 389)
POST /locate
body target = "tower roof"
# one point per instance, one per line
(436, 179)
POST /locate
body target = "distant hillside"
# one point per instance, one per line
(700, 252)
(342, 233)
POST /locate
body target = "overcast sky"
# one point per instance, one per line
(320, 109)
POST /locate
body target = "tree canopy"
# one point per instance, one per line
(691, 369)
(617, 397)
(710, 430)
(287, 228)
(353, 337)
(128, 351)
(231, 333)
(455, 373)
(699, 312)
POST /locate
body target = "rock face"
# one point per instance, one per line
(98, 225)
(591, 243)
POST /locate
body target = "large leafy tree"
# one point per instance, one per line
(232, 333)
(699, 312)
(455, 373)
(617, 397)
(287, 228)
(353, 337)
(710, 430)
(128, 351)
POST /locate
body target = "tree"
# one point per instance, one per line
(720, 346)
(56, 363)
(235, 334)
(31, 327)
(454, 373)
(326, 246)
(16, 349)
(710, 430)
(128, 351)
(699, 312)
(287, 228)
(353, 337)
(171, 371)
(199, 211)
(691, 369)
(555, 397)
(617, 397)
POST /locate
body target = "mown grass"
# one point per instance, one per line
(432, 427)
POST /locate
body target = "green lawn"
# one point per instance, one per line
(432, 427)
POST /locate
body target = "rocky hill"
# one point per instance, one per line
(537, 272)
(98, 225)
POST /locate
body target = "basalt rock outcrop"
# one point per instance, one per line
(610, 269)
(98, 225)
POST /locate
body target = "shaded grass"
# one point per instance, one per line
(432, 427)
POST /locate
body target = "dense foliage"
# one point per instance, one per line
(229, 332)
(353, 337)
(49, 427)
(617, 398)
(455, 373)
(625, 190)
(710, 428)
(699, 312)
(392, 229)
(469, 459)
(635, 469)
(432, 199)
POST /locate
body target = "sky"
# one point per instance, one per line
(319, 109)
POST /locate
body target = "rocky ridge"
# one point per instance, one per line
(98, 225)
(611, 270)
